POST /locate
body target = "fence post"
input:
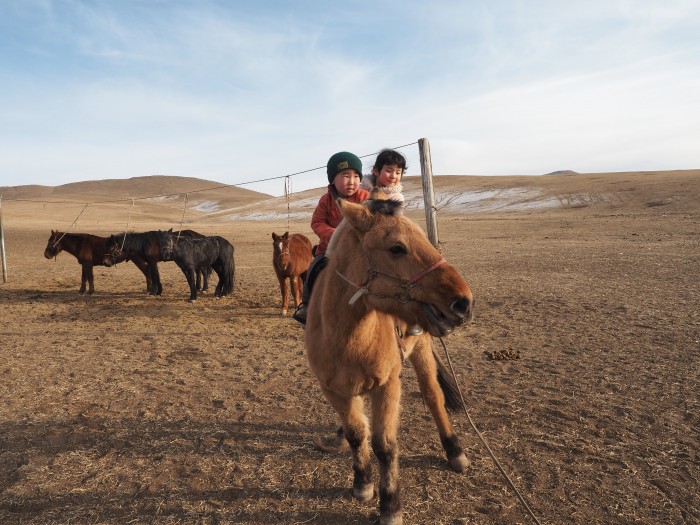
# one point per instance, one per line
(426, 168)
(2, 246)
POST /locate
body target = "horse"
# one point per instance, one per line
(202, 275)
(145, 246)
(89, 250)
(191, 255)
(383, 275)
(291, 257)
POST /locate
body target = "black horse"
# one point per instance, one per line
(193, 255)
(202, 275)
(145, 246)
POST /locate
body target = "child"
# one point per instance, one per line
(386, 174)
(344, 175)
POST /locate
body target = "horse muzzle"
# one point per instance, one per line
(441, 323)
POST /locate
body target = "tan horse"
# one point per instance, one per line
(382, 268)
(291, 256)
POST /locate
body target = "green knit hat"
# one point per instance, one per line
(342, 161)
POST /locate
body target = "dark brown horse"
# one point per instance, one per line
(145, 246)
(89, 250)
(291, 257)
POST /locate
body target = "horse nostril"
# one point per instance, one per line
(462, 307)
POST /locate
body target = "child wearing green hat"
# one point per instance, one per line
(344, 171)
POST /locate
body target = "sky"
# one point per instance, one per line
(241, 91)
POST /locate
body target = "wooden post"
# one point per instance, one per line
(2, 246)
(426, 168)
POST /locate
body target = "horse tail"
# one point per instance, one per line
(228, 267)
(448, 384)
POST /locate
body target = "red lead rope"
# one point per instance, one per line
(427, 270)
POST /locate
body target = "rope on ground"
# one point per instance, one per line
(483, 440)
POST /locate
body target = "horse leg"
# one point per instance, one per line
(83, 279)
(155, 277)
(143, 266)
(206, 273)
(425, 365)
(295, 282)
(355, 428)
(90, 279)
(385, 421)
(284, 289)
(192, 282)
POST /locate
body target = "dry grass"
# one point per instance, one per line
(124, 408)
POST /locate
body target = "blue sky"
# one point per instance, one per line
(244, 90)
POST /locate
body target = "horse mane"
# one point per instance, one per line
(377, 203)
(385, 207)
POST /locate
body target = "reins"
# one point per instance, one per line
(403, 297)
(483, 440)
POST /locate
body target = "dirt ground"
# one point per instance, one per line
(581, 369)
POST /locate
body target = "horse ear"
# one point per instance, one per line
(285, 236)
(357, 215)
(275, 236)
(378, 195)
(170, 230)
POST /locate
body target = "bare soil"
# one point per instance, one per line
(581, 370)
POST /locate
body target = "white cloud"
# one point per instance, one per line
(111, 90)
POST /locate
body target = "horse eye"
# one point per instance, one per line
(398, 250)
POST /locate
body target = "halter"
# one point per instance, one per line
(57, 243)
(403, 296)
(279, 257)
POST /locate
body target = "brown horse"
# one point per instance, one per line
(291, 257)
(382, 275)
(89, 250)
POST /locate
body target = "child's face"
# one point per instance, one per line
(390, 175)
(347, 182)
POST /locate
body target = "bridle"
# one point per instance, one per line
(284, 251)
(57, 243)
(403, 295)
(117, 250)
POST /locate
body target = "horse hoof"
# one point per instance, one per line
(459, 463)
(392, 519)
(364, 492)
(332, 445)
(284, 312)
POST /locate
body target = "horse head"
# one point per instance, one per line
(390, 260)
(280, 244)
(53, 246)
(113, 249)
(167, 245)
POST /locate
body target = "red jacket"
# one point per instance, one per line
(327, 216)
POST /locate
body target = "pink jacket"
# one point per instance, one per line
(327, 216)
